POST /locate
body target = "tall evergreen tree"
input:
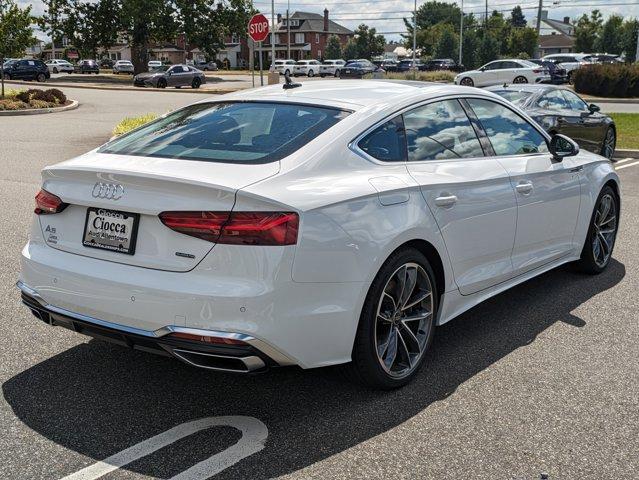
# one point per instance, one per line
(333, 48)
(517, 19)
(448, 44)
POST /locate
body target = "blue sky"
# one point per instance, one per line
(385, 15)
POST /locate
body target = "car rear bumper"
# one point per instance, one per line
(232, 291)
(251, 356)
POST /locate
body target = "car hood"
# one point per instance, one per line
(144, 75)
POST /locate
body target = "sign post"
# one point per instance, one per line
(258, 29)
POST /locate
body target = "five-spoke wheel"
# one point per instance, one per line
(602, 233)
(609, 143)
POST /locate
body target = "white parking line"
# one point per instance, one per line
(623, 161)
(627, 165)
(254, 435)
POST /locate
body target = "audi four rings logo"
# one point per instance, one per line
(110, 191)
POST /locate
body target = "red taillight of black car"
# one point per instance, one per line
(236, 228)
(48, 203)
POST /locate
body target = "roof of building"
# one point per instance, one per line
(556, 41)
(314, 22)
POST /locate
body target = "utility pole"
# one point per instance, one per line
(637, 51)
(538, 26)
(461, 32)
(486, 17)
(414, 36)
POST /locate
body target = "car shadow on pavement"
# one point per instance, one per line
(97, 399)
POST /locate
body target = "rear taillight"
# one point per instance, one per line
(539, 70)
(47, 203)
(236, 228)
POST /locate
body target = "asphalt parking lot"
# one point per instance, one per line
(542, 378)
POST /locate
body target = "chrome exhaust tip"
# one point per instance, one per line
(220, 362)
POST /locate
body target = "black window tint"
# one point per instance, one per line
(574, 102)
(387, 142)
(553, 100)
(244, 132)
(508, 133)
(440, 130)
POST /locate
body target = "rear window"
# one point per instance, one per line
(243, 132)
(515, 97)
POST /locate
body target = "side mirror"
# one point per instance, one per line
(561, 147)
(592, 108)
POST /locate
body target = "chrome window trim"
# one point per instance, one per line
(354, 147)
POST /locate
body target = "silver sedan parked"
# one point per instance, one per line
(123, 66)
(171, 76)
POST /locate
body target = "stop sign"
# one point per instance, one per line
(258, 27)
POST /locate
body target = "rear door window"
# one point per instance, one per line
(553, 100)
(440, 130)
(242, 132)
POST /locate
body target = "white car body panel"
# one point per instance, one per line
(307, 67)
(304, 301)
(488, 77)
(60, 66)
(283, 66)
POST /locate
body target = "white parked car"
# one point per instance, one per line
(306, 67)
(329, 223)
(331, 67)
(57, 66)
(153, 64)
(504, 71)
(123, 66)
(284, 67)
(569, 61)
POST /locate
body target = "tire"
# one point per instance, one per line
(196, 83)
(287, 72)
(322, 75)
(310, 73)
(467, 82)
(602, 233)
(520, 79)
(336, 73)
(7, 76)
(609, 143)
(570, 78)
(55, 70)
(41, 78)
(380, 319)
(161, 83)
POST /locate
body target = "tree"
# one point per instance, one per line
(587, 31)
(610, 39)
(629, 39)
(429, 15)
(522, 40)
(368, 42)
(90, 25)
(448, 44)
(15, 33)
(488, 49)
(470, 45)
(351, 51)
(517, 19)
(333, 48)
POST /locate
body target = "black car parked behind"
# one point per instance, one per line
(559, 110)
(87, 66)
(358, 68)
(558, 74)
(26, 70)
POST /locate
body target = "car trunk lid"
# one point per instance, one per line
(131, 192)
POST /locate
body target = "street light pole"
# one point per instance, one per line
(538, 26)
(288, 30)
(414, 34)
(272, 68)
(461, 32)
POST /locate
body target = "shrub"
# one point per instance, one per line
(45, 96)
(130, 123)
(11, 104)
(26, 95)
(435, 76)
(60, 97)
(12, 92)
(607, 80)
(41, 104)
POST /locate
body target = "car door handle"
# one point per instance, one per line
(446, 200)
(524, 187)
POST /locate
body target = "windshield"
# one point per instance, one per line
(516, 97)
(161, 68)
(9, 62)
(244, 132)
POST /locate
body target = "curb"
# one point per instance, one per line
(40, 111)
(126, 89)
(620, 153)
(631, 101)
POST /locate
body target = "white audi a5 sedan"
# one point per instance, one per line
(312, 225)
(504, 71)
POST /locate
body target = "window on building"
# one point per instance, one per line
(299, 38)
(317, 38)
